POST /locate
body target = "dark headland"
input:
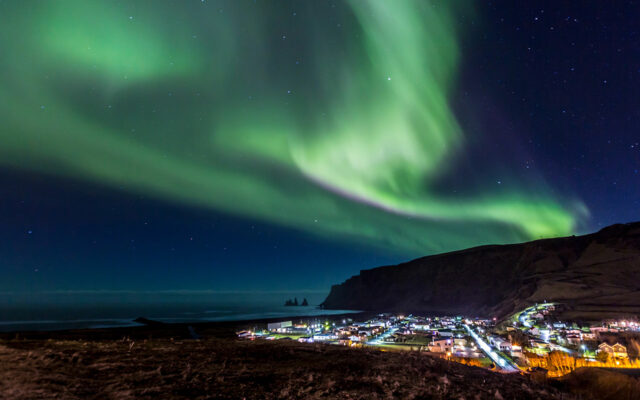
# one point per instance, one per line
(595, 276)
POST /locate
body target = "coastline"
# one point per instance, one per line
(159, 329)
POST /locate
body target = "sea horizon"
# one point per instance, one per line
(85, 309)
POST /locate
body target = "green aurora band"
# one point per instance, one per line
(334, 121)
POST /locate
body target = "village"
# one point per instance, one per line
(532, 340)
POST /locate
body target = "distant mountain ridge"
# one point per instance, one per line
(594, 275)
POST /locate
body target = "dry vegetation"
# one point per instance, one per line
(602, 384)
(229, 369)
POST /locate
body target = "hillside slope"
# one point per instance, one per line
(230, 369)
(594, 275)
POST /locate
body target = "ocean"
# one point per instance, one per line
(104, 309)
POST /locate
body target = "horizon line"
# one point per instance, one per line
(163, 291)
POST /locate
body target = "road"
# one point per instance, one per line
(380, 339)
(525, 319)
(503, 363)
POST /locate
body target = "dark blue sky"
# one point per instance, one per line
(551, 87)
(565, 77)
(66, 235)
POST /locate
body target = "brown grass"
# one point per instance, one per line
(231, 369)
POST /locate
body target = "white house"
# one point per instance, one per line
(441, 345)
(279, 326)
(504, 345)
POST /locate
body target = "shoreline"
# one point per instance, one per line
(156, 329)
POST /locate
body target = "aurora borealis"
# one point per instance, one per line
(344, 120)
(346, 144)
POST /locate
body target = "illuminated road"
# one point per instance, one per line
(378, 340)
(525, 320)
(554, 346)
(501, 362)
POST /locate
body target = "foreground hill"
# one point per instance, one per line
(595, 275)
(230, 369)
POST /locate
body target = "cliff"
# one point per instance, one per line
(594, 275)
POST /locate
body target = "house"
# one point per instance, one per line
(445, 333)
(619, 351)
(539, 344)
(615, 351)
(516, 350)
(501, 343)
(400, 338)
(390, 339)
(598, 329)
(279, 326)
(325, 337)
(441, 345)
(460, 342)
(573, 338)
(366, 331)
(467, 352)
(504, 345)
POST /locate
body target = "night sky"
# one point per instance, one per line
(285, 145)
